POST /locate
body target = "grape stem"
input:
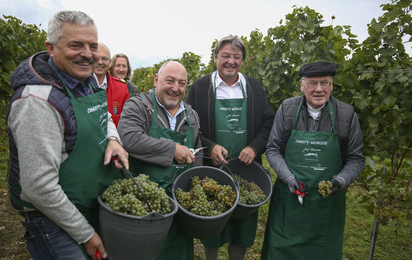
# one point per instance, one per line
(131, 176)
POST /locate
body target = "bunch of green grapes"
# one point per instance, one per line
(325, 188)
(250, 192)
(206, 197)
(124, 196)
(383, 216)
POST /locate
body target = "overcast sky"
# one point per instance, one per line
(151, 31)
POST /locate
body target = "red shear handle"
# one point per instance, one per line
(300, 193)
(99, 257)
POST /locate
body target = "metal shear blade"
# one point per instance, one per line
(300, 194)
(195, 151)
(300, 199)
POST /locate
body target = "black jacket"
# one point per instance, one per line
(260, 114)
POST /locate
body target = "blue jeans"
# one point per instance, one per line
(46, 240)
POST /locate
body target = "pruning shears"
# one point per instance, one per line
(300, 194)
(195, 151)
(99, 257)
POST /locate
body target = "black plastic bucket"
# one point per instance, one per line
(126, 236)
(196, 226)
(256, 173)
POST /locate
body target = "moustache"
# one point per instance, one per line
(171, 92)
(84, 59)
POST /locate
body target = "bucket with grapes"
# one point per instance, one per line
(206, 197)
(255, 186)
(135, 216)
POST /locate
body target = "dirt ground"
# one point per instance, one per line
(12, 244)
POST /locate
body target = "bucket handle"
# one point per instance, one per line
(207, 157)
(131, 176)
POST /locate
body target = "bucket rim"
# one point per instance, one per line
(230, 211)
(150, 216)
(268, 177)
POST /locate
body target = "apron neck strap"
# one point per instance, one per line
(332, 118)
(64, 84)
(155, 111)
(154, 108)
(214, 85)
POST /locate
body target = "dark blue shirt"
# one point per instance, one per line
(84, 88)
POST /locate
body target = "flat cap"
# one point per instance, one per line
(319, 68)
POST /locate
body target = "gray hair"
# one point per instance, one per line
(236, 42)
(74, 17)
(113, 61)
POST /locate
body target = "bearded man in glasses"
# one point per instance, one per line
(314, 138)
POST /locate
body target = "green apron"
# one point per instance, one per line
(231, 122)
(161, 175)
(82, 175)
(231, 133)
(177, 244)
(313, 230)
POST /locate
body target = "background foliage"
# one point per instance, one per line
(18, 41)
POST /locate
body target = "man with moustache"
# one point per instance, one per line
(218, 98)
(158, 129)
(314, 138)
(61, 141)
(116, 89)
(121, 69)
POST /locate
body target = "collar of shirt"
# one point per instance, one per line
(223, 91)
(314, 112)
(83, 88)
(172, 120)
(104, 83)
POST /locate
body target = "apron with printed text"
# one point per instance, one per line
(313, 230)
(82, 175)
(231, 122)
(177, 244)
(231, 133)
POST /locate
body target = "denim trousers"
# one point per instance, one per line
(46, 240)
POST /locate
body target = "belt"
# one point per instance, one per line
(32, 214)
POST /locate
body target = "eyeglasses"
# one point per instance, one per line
(226, 56)
(105, 59)
(313, 84)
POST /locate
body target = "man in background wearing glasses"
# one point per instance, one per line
(116, 89)
(235, 120)
(314, 138)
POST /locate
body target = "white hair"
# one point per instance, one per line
(78, 18)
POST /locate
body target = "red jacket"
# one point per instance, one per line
(117, 94)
